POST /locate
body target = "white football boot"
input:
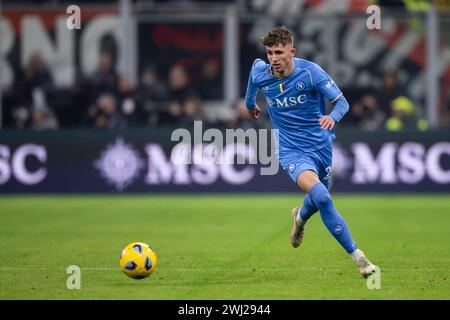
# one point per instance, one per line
(298, 229)
(365, 267)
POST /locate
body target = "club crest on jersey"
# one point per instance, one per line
(300, 85)
(281, 87)
(291, 167)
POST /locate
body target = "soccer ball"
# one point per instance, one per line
(138, 260)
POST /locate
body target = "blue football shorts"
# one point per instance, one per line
(295, 162)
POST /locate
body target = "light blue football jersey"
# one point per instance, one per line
(295, 103)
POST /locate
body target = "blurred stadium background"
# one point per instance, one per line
(136, 70)
(91, 110)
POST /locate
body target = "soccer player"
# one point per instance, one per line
(294, 90)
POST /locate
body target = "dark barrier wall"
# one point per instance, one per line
(89, 161)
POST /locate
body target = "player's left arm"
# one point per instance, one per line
(340, 108)
(331, 91)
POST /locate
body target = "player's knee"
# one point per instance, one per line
(323, 200)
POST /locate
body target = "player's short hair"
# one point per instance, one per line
(278, 35)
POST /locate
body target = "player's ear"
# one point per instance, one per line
(293, 51)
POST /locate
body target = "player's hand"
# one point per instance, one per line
(326, 123)
(254, 113)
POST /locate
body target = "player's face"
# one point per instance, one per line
(280, 57)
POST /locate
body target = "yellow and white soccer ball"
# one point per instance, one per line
(138, 260)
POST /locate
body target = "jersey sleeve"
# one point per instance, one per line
(323, 82)
(340, 108)
(252, 89)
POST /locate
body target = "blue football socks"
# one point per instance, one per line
(331, 218)
(308, 209)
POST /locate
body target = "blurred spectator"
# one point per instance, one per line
(396, 4)
(389, 90)
(36, 75)
(44, 119)
(414, 7)
(104, 114)
(353, 96)
(242, 119)
(404, 116)
(21, 117)
(210, 87)
(367, 113)
(173, 114)
(127, 102)
(31, 91)
(179, 91)
(104, 79)
(192, 111)
(370, 108)
(179, 86)
(152, 95)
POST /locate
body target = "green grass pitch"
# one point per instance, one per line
(221, 247)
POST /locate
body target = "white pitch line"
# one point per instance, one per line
(57, 268)
(217, 269)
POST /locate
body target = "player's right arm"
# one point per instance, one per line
(252, 91)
